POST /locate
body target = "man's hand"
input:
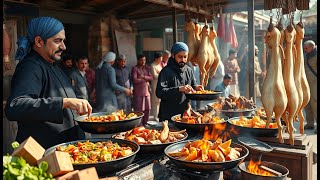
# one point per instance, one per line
(82, 106)
(186, 89)
(128, 92)
(199, 88)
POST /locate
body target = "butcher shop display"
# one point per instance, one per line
(203, 51)
(289, 83)
(274, 96)
(300, 74)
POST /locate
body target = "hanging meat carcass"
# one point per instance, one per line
(205, 55)
(216, 55)
(274, 97)
(290, 86)
(303, 79)
(193, 41)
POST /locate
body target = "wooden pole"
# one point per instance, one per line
(251, 42)
(174, 25)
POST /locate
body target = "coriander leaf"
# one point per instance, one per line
(15, 145)
(44, 166)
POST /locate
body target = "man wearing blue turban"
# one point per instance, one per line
(42, 100)
(174, 81)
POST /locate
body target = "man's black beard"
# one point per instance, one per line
(181, 64)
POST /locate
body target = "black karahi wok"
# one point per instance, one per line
(199, 128)
(253, 132)
(233, 112)
(109, 127)
(156, 148)
(205, 166)
(108, 166)
(208, 96)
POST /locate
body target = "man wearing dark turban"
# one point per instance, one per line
(42, 100)
(174, 81)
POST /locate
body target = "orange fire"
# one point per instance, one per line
(219, 131)
(253, 167)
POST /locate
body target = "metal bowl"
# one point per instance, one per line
(254, 132)
(211, 96)
(109, 166)
(235, 113)
(156, 148)
(247, 175)
(199, 128)
(205, 166)
(109, 127)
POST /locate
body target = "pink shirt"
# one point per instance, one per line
(140, 85)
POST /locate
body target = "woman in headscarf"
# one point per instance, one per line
(106, 85)
(174, 81)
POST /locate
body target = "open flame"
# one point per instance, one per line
(253, 167)
(219, 131)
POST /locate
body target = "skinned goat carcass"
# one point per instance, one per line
(304, 83)
(216, 55)
(205, 55)
(193, 41)
(290, 86)
(273, 96)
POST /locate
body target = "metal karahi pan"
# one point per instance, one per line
(104, 167)
(205, 166)
(249, 176)
(253, 132)
(197, 127)
(234, 113)
(211, 96)
(109, 127)
(156, 148)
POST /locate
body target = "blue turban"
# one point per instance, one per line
(178, 47)
(45, 27)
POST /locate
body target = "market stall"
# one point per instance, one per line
(231, 139)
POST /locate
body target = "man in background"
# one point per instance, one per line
(78, 79)
(67, 65)
(141, 75)
(224, 86)
(123, 77)
(165, 58)
(231, 67)
(155, 71)
(310, 49)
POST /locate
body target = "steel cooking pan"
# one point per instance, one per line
(208, 96)
(108, 166)
(156, 148)
(205, 166)
(199, 128)
(254, 132)
(109, 127)
(277, 167)
(234, 113)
